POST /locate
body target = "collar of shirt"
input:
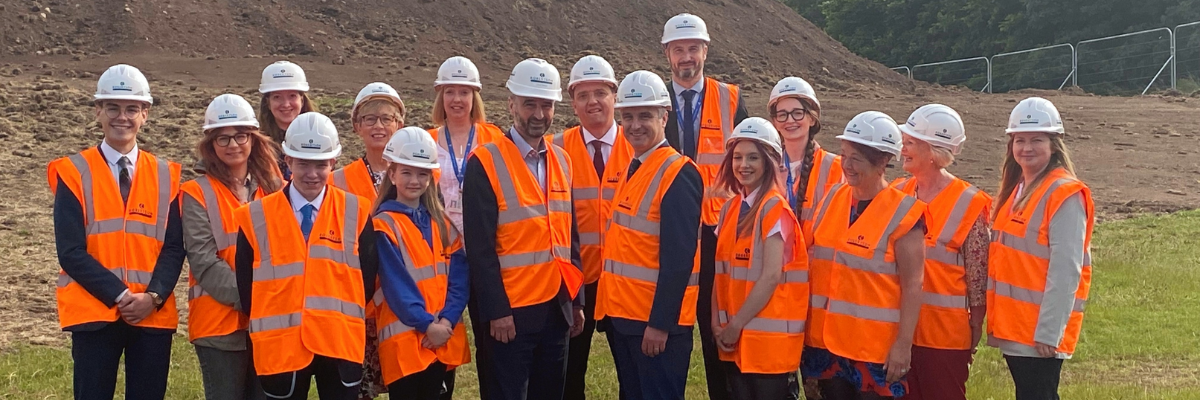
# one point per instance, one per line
(698, 87)
(112, 156)
(646, 155)
(609, 137)
(298, 200)
(522, 145)
(749, 198)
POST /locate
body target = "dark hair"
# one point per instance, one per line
(260, 164)
(877, 158)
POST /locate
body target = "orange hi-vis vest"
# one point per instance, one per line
(593, 194)
(355, 178)
(772, 341)
(206, 316)
(717, 124)
(533, 231)
(125, 237)
(484, 133)
(861, 299)
(631, 245)
(307, 297)
(1019, 257)
(945, 321)
(826, 172)
(400, 351)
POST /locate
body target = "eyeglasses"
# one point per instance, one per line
(129, 112)
(241, 138)
(371, 120)
(797, 114)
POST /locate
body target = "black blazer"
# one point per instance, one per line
(673, 122)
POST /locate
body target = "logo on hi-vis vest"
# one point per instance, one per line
(557, 187)
(860, 241)
(1019, 218)
(140, 210)
(743, 255)
(615, 179)
(624, 204)
(331, 236)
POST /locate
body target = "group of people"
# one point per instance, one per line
(666, 208)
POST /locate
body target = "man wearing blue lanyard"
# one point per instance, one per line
(685, 42)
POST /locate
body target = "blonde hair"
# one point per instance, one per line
(727, 184)
(1011, 172)
(942, 157)
(375, 104)
(439, 108)
(431, 199)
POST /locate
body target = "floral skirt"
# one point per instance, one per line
(818, 363)
(372, 381)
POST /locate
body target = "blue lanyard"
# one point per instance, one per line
(695, 112)
(459, 173)
(791, 182)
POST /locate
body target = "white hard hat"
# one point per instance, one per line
(937, 125)
(283, 75)
(757, 129)
(793, 87)
(685, 26)
(458, 70)
(534, 77)
(412, 146)
(229, 110)
(312, 136)
(592, 69)
(376, 90)
(123, 82)
(1035, 114)
(875, 130)
(643, 89)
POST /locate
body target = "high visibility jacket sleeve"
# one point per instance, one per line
(70, 240)
(210, 271)
(481, 213)
(399, 289)
(1068, 227)
(680, 228)
(458, 288)
(243, 262)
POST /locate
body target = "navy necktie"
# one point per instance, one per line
(123, 178)
(688, 125)
(306, 224)
(743, 212)
(633, 167)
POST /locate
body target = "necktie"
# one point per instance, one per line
(123, 178)
(688, 125)
(307, 223)
(598, 159)
(633, 167)
(743, 212)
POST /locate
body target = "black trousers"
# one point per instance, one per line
(1035, 378)
(580, 347)
(662, 377)
(532, 366)
(489, 387)
(424, 385)
(336, 380)
(840, 389)
(746, 386)
(97, 356)
(714, 369)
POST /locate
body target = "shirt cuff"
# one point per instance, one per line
(121, 296)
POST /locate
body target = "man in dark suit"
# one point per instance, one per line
(704, 112)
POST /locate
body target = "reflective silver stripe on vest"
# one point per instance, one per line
(212, 207)
(585, 193)
(560, 140)
(640, 221)
(196, 292)
(755, 265)
(817, 301)
(395, 328)
(418, 273)
(514, 210)
(806, 213)
(323, 303)
(864, 312)
(818, 252)
(266, 269)
(940, 250)
(941, 300)
(138, 277)
(879, 264)
(648, 275)
(350, 232)
(64, 279)
(275, 322)
(1029, 243)
(725, 95)
(760, 324)
(828, 198)
(339, 179)
(323, 252)
(795, 277)
(589, 238)
(532, 258)
(1026, 295)
(96, 227)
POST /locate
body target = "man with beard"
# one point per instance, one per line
(522, 248)
(704, 112)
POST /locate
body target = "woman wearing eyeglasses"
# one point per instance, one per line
(238, 163)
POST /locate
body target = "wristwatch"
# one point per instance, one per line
(158, 301)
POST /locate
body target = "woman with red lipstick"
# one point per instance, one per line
(284, 89)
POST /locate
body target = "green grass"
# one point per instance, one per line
(1141, 338)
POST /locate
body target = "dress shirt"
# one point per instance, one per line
(112, 156)
(699, 88)
(298, 201)
(534, 159)
(606, 141)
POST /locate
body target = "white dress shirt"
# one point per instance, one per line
(534, 159)
(606, 142)
(112, 156)
(298, 201)
(699, 88)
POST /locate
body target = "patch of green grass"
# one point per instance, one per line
(1141, 338)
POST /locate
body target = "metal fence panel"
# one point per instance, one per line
(1124, 64)
(1185, 70)
(903, 70)
(974, 73)
(1048, 67)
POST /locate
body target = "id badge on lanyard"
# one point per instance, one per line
(459, 171)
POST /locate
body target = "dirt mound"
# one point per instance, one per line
(755, 42)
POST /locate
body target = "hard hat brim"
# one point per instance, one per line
(424, 165)
(525, 91)
(703, 37)
(798, 96)
(661, 103)
(264, 89)
(395, 100)
(937, 142)
(440, 83)
(312, 156)
(893, 152)
(1059, 131)
(144, 99)
(231, 123)
(610, 81)
(733, 140)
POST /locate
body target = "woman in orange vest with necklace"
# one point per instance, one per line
(760, 289)
(1040, 256)
(238, 162)
(423, 273)
(378, 112)
(956, 254)
(869, 246)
